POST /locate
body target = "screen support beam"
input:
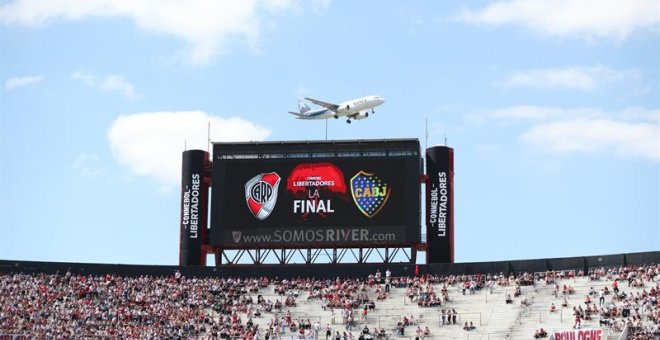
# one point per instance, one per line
(238, 257)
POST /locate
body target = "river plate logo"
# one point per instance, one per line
(261, 194)
(370, 193)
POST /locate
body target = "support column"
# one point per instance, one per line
(440, 204)
(194, 207)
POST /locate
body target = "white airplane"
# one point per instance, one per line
(353, 109)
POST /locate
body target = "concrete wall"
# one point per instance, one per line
(336, 270)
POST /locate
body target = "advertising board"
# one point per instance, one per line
(317, 201)
(440, 204)
(194, 203)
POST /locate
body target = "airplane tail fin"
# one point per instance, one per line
(303, 107)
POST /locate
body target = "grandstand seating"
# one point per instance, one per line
(70, 306)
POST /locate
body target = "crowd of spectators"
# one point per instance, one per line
(638, 311)
(113, 306)
(67, 306)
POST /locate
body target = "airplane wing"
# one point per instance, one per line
(332, 107)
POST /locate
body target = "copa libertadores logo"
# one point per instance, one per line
(261, 194)
(370, 193)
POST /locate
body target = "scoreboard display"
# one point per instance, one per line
(315, 194)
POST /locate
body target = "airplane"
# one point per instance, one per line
(353, 109)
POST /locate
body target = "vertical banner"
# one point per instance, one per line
(194, 207)
(440, 204)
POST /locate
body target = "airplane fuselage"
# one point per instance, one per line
(355, 106)
(319, 114)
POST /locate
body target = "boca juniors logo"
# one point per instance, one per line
(370, 193)
(261, 194)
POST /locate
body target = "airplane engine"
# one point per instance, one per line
(362, 115)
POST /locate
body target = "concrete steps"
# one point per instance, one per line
(493, 318)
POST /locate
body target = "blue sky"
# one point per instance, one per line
(553, 109)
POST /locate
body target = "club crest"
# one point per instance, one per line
(236, 235)
(261, 194)
(370, 193)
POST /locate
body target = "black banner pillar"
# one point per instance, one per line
(194, 207)
(440, 204)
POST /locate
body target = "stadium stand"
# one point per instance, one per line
(621, 301)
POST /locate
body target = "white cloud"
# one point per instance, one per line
(88, 165)
(612, 19)
(278, 4)
(150, 144)
(574, 78)
(17, 82)
(527, 113)
(632, 132)
(109, 83)
(633, 140)
(320, 5)
(207, 26)
(639, 114)
(117, 83)
(535, 114)
(86, 78)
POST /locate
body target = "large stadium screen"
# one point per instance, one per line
(316, 201)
